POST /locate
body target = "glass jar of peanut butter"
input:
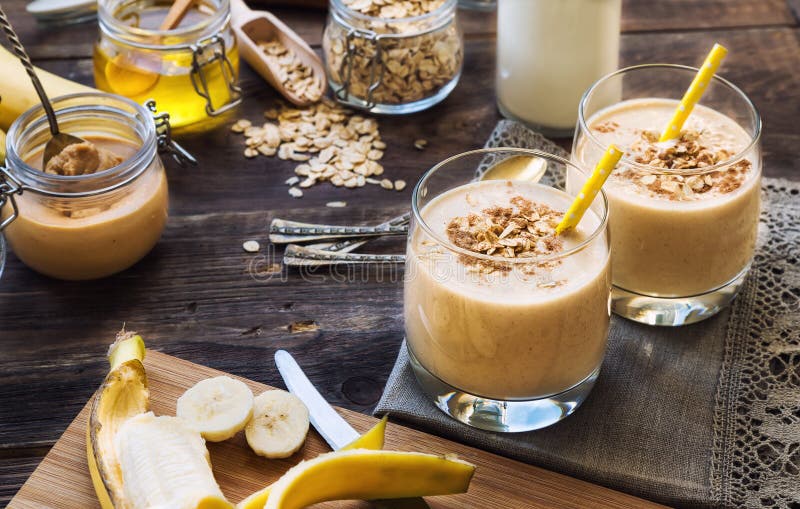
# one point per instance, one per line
(97, 207)
(191, 71)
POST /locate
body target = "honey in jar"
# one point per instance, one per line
(190, 71)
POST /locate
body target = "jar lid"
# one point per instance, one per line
(114, 20)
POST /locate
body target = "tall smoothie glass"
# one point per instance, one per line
(506, 323)
(683, 213)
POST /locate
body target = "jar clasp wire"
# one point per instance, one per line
(166, 144)
(376, 65)
(9, 187)
(215, 46)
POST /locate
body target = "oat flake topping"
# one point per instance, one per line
(524, 229)
(685, 153)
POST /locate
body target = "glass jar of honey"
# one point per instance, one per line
(85, 226)
(190, 71)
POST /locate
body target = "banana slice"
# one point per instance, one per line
(279, 425)
(217, 407)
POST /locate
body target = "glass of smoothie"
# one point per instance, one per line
(506, 322)
(684, 213)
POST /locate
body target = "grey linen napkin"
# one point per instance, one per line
(706, 415)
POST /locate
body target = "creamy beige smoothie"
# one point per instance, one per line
(97, 237)
(508, 331)
(686, 231)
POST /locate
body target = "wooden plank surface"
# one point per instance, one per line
(637, 16)
(62, 480)
(194, 295)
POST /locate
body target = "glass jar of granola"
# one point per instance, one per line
(393, 57)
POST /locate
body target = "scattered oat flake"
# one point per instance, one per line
(332, 144)
(240, 125)
(420, 144)
(295, 192)
(303, 326)
(336, 204)
(399, 185)
(251, 246)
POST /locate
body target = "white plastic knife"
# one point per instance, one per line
(325, 419)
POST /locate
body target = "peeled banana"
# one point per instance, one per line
(165, 464)
(17, 94)
(217, 407)
(361, 474)
(279, 424)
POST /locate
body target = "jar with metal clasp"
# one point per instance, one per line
(387, 59)
(190, 71)
(87, 226)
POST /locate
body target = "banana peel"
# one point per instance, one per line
(122, 395)
(362, 474)
(372, 439)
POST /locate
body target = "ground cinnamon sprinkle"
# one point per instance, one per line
(521, 230)
(606, 127)
(684, 153)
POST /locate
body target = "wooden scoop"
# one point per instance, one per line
(252, 27)
(175, 14)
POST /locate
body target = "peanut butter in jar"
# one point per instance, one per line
(97, 208)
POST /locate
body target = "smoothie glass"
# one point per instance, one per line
(504, 343)
(678, 257)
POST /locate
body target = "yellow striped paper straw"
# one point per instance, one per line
(590, 189)
(694, 92)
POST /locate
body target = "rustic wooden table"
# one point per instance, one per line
(195, 296)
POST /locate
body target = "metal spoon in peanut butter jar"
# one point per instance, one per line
(60, 140)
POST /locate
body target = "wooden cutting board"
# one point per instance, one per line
(62, 479)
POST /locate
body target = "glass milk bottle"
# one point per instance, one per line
(548, 53)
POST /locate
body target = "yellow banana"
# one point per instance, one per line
(361, 474)
(17, 94)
